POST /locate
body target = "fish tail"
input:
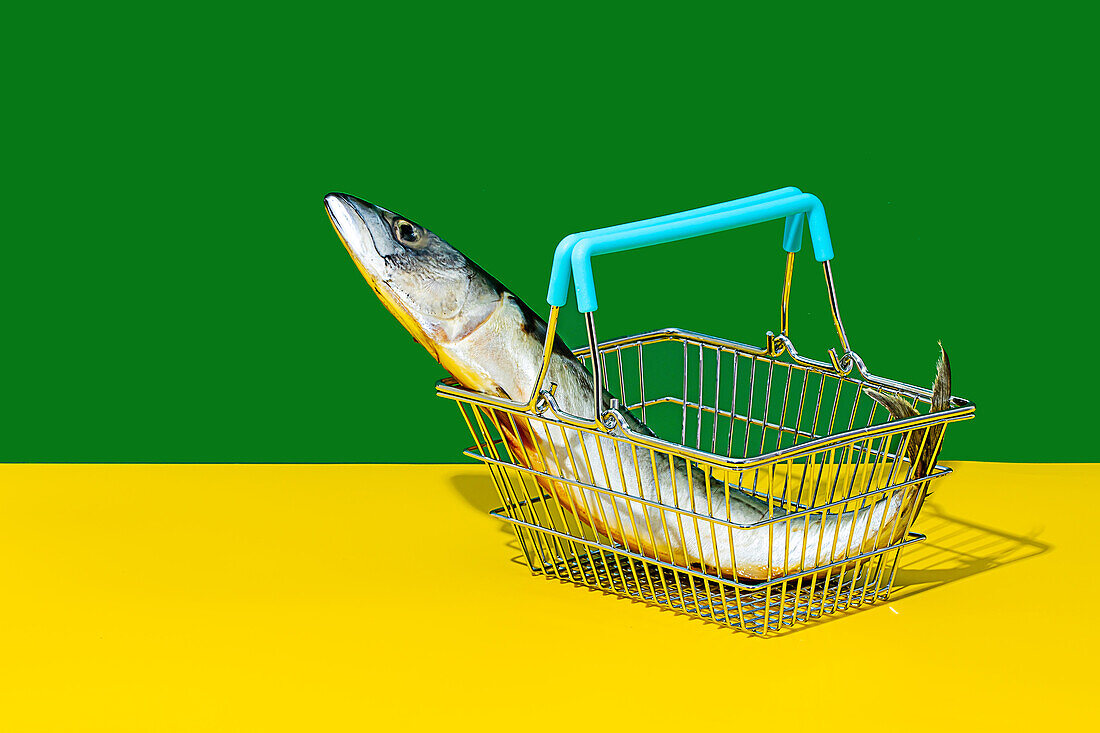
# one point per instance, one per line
(923, 442)
(941, 387)
(922, 447)
(941, 400)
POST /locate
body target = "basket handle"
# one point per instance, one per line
(573, 258)
(561, 271)
(574, 253)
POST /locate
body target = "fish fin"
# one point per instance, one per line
(922, 447)
(941, 387)
(896, 405)
(899, 409)
(941, 400)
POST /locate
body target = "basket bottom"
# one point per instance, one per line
(760, 609)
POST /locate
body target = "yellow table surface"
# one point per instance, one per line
(234, 597)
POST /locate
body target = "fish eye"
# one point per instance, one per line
(406, 232)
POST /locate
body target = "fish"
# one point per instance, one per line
(492, 343)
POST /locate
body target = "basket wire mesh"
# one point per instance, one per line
(800, 436)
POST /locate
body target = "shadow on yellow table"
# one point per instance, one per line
(957, 549)
(383, 597)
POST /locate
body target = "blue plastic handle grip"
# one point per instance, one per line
(561, 271)
(587, 247)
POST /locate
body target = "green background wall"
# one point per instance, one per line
(172, 289)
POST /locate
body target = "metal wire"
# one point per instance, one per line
(564, 495)
(597, 502)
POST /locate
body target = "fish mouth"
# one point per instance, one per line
(364, 230)
(361, 226)
(342, 212)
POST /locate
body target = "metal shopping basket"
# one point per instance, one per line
(797, 434)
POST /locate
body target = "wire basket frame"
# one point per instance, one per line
(595, 501)
(806, 441)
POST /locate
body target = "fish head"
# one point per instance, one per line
(437, 293)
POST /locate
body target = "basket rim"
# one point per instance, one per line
(449, 388)
(794, 515)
